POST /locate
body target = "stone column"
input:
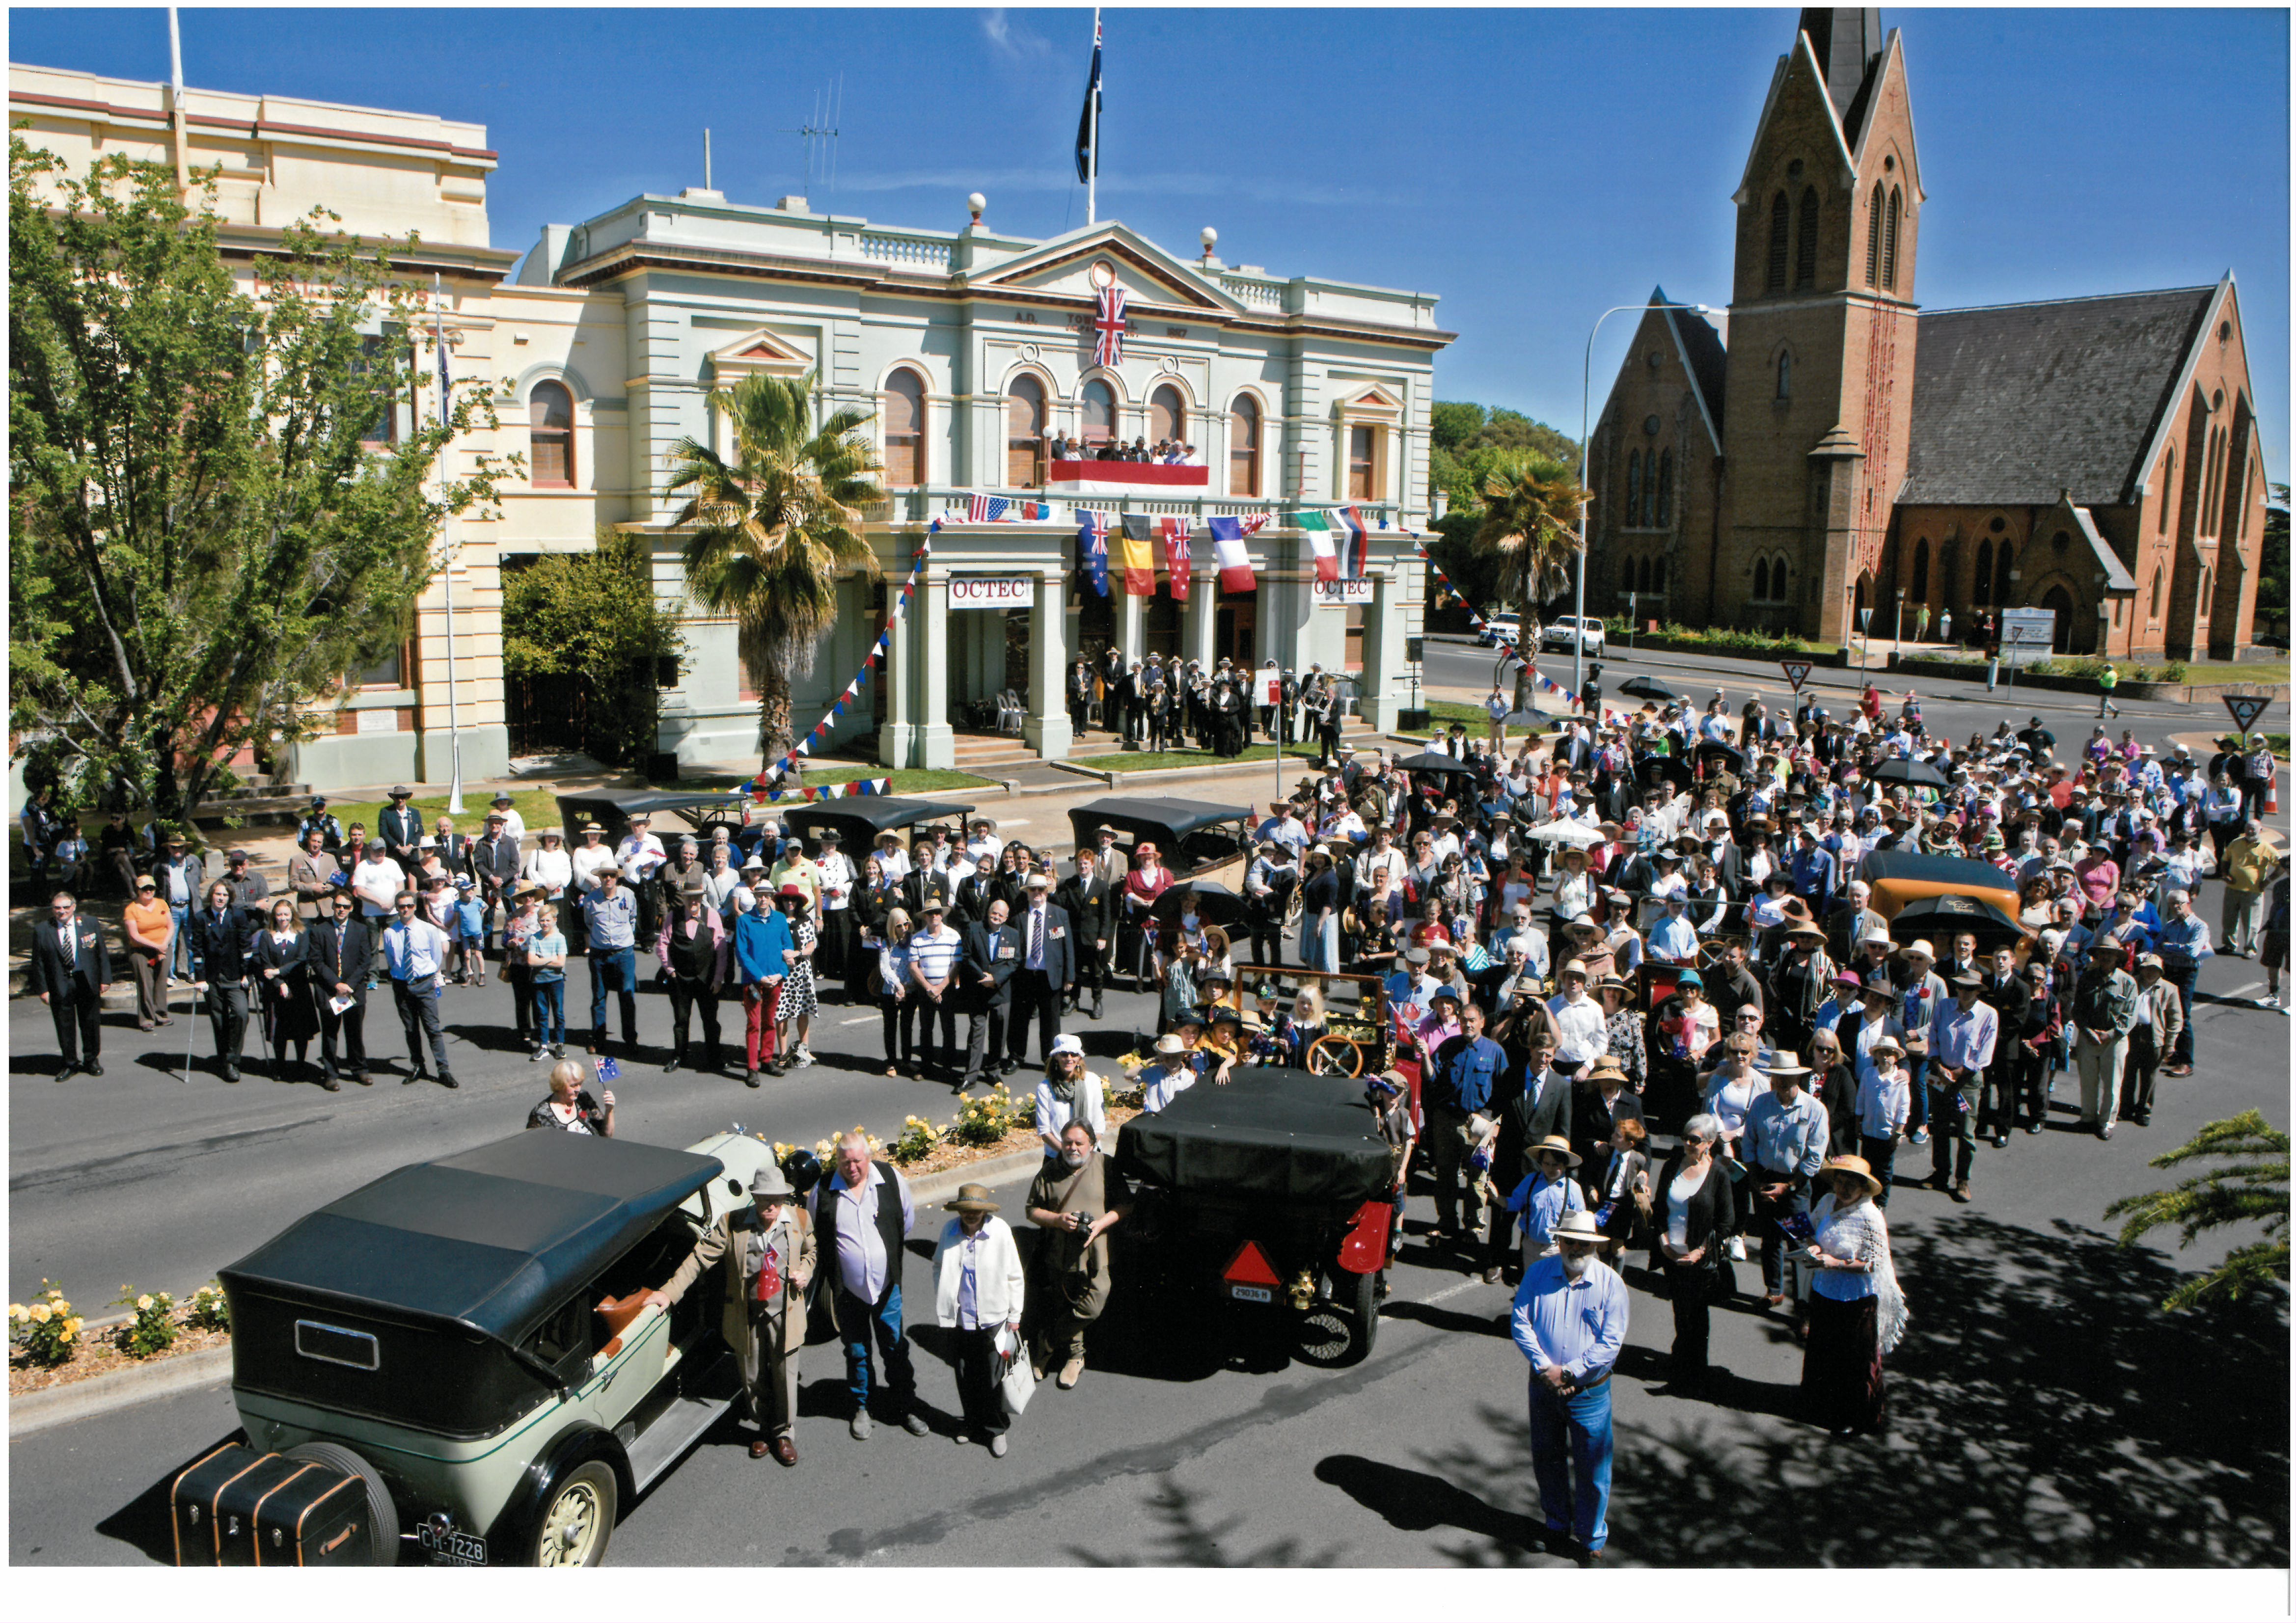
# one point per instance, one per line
(936, 745)
(897, 739)
(1046, 728)
(1381, 683)
(1200, 620)
(1131, 618)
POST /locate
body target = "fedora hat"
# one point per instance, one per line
(1553, 1143)
(973, 1197)
(1577, 1225)
(1170, 1044)
(772, 1183)
(1851, 1165)
(1786, 1062)
(1807, 932)
(1607, 1066)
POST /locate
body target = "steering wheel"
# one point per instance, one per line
(1335, 1056)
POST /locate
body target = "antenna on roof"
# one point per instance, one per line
(819, 138)
(706, 184)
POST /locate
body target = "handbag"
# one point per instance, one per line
(1017, 1381)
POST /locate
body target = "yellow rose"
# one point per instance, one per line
(67, 1334)
(17, 1312)
(72, 1325)
(40, 1315)
(143, 1303)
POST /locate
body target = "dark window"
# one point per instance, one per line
(904, 430)
(1762, 579)
(387, 672)
(1657, 576)
(2168, 486)
(1634, 488)
(1775, 281)
(1873, 238)
(1167, 417)
(1362, 443)
(1786, 377)
(1806, 240)
(1922, 570)
(1099, 412)
(1024, 433)
(1665, 488)
(550, 413)
(2001, 577)
(2208, 592)
(1890, 240)
(2153, 613)
(1243, 446)
(1982, 593)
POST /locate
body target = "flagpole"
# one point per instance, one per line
(447, 548)
(176, 103)
(1092, 172)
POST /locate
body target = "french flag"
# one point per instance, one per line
(1354, 543)
(1235, 570)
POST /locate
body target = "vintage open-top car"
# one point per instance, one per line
(1196, 839)
(468, 1337)
(860, 819)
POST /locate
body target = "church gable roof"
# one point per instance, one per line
(1705, 359)
(2014, 403)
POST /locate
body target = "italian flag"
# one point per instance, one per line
(1317, 529)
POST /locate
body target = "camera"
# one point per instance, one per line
(1082, 1220)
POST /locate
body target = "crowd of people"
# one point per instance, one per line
(1162, 702)
(1166, 452)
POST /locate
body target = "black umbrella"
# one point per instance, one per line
(1649, 687)
(1940, 918)
(1213, 904)
(1714, 749)
(1914, 774)
(1671, 769)
(1435, 760)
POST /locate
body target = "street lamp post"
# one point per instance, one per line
(1586, 396)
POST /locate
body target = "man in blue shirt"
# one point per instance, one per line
(612, 914)
(1462, 1076)
(1784, 1145)
(415, 952)
(1569, 1321)
(2183, 942)
(1814, 871)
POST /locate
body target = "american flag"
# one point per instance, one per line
(989, 509)
(1109, 348)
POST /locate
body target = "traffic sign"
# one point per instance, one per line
(1797, 672)
(1865, 620)
(2246, 708)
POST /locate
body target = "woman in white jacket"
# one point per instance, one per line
(979, 1287)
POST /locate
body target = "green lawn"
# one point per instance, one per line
(538, 807)
(2278, 743)
(2237, 671)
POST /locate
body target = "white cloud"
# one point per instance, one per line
(1012, 40)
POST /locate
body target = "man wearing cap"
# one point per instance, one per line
(400, 828)
(179, 875)
(513, 825)
(693, 950)
(1045, 977)
(609, 919)
(495, 862)
(770, 1252)
(2152, 1039)
(640, 857)
(1784, 1143)
(331, 832)
(1463, 1075)
(1962, 1045)
(1673, 940)
(861, 1212)
(2104, 1012)
(763, 943)
(251, 892)
(1569, 1321)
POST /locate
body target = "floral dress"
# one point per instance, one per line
(797, 997)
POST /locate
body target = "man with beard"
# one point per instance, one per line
(1570, 1319)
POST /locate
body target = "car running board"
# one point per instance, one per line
(680, 1426)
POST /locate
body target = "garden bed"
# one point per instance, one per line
(99, 1355)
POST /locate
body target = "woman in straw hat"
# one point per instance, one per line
(979, 1288)
(1857, 1312)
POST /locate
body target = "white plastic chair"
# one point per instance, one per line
(1010, 711)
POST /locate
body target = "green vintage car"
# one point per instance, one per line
(465, 1336)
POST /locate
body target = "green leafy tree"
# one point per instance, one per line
(1452, 422)
(1530, 526)
(205, 531)
(2272, 566)
(594, 617)
(2252, 1189)
(1467, 441)
(774, 529)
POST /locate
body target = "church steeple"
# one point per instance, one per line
(1845, 39)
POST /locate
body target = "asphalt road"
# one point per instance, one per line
(2043, 1413)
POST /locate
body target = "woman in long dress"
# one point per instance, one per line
(282, 961)
(1857, 1312)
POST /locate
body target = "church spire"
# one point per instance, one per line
(1845, 39)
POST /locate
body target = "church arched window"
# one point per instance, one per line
(1665, 488)
(1806, 240)
(1634, 488)
(2153, 613)
(1761, 580)
(1982, 593)
(2001, 577)
(1873, 239)
(1657, 578)
(2168, 486)
(1921, 592)
(1890, 240)
(1775, 280)
(1785, 376)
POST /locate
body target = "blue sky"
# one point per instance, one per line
(1531, 167)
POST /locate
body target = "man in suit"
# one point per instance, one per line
(1729, 864)
(992, 952)
(769, 1252)
(495, 864)
(925, 885)
(453, 849)
(313, 874)
(970, 904)
(1851, 922)
(1086, 898)
(400, 829)
(2005, 993)
(71, 966)
(1047, 976)
(342, 951)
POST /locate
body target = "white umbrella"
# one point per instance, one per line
(1565, 830)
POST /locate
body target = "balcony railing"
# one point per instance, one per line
(925, 253)
(920, 506)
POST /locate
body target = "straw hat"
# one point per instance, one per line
(1553, 1143)
(1577, 1225)
(1852, 1167)
(973, 1197)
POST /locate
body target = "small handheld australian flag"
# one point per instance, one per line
(608, 1070)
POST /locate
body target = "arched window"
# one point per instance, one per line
(1099, 412)
(1665, 488)
(1873, 238)
(2168, 486)
(1980, 593)
(1785, 376)
(1806, 240)
(1779, 579)
(1643, 576)
(904, 430)
(1024, 434)
(1921, 591)
(1168, 415)
(2209, 520)
(550, 412)
(1243, 446)
(1889, 240)
(2153, 613)
(2208, 592)
(1657, 578)
(1775, 280)
(1761, 580)
(1634, 488)
(2001, 577)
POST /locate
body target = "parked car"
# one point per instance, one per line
(1500, 628)
(860, 819)
(1196, 838)
(468, 1337)
(1569, 631)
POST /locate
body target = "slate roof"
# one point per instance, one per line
(2014, 403)
(1708, 362)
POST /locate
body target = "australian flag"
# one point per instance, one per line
(1088, 154)
(1091, 548)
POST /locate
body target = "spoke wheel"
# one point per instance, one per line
(579, 1519)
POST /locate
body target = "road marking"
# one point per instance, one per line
(857, 1020)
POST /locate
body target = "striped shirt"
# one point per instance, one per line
(934, 952)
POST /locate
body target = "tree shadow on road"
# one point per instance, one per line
(2043, 1412)
(1179, 1537)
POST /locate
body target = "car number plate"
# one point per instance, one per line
(453, 1548)
(1251, 1294)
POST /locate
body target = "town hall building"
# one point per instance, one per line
(1836, 448)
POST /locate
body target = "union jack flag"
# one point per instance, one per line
(1108, 349)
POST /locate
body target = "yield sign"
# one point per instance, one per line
(2246, 708)
(1797, 672)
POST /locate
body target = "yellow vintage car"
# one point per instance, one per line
(1928, 897)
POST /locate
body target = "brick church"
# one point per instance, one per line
(2097, 456)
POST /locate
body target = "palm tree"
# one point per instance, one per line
(2254, 1189)
(774, 527)
(1530, 527)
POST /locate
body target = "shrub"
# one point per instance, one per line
(988, 1117)
(2175, 670)
(47, 1332)
(917, 1139)
(208, 1308)
(150, 1328)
